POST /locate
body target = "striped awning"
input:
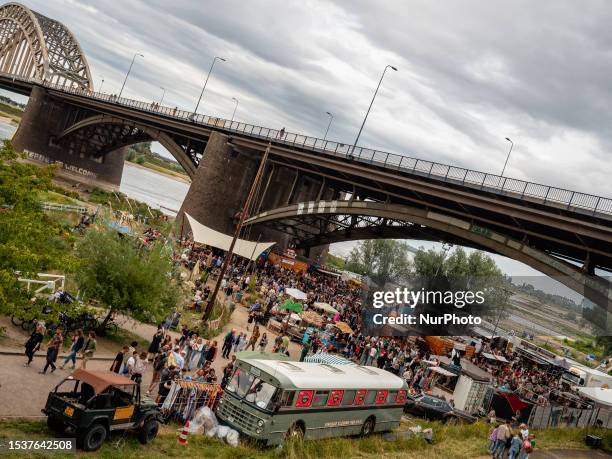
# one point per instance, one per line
(330, 359)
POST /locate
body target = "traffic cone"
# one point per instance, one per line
(182, 438)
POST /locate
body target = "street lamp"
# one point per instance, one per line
(206, 81)
(101, 84)
(163, 94)
(374, 97)
(331, 118)
(507, 157)
(128, 73)
(235, 107)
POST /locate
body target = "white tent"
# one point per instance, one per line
(205, 235)
(296, 293)
(599, 395)
(325, 307)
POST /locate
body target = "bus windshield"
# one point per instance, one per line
(252, 389)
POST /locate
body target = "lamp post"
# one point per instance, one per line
(163, 95)
(507, 157)
(128, 72)
(235, 107)
(331, 118)
(372, 102)
(101, 84)
(206, 81)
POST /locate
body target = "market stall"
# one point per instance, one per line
(185, 397)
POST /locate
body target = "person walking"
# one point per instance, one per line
(159, 363)
(263, 342)
(211, 353)
(33, 343)
(89, 349)
(139, 367)
(119, 359)
(196, 353)
(156, 342)
(228, 342)
(77, 343)
(53, 348)
(254, 338)
(503, 435)
(515, 447)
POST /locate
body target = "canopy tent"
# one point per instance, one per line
(296, 293)
(328, 359)
(599, 395)
(312, 318)
(290, 305)
(325, 307)
(443, 371)
(344, 327)
(497, 358)
(205, 235)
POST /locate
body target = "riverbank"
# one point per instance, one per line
(161, 170)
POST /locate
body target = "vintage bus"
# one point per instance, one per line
(270, 400)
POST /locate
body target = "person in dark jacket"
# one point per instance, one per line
(119, 358)
(33, 343)
(77, 343)
(156, 343)
(53, 347)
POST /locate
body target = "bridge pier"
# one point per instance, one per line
(43, 120)
(223, 180)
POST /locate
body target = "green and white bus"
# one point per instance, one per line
(270, 400)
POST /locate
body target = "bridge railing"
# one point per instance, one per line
(535, 192)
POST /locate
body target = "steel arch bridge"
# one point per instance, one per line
(35, 46)
(315, 223)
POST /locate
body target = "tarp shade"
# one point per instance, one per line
(597, 394)
(296, 293)
(327, 308)
(291, 305)
(344, 327)
(205, 235)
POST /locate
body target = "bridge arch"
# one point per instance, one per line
(35, 46)
(98, 135)
(321, 222)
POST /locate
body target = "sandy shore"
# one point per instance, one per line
(155, 171)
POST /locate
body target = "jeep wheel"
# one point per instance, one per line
(55, 425)
(93, 438)
(149, 431)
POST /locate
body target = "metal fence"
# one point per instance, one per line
(542, 417)
(534, 192)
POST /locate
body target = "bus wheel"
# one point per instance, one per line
(368, 427)
(295, 431)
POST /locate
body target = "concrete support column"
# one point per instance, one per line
(43, 120)
(220, 186)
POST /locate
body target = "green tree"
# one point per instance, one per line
(462, 272)
(30, 241)
(126, 277)
(380, 259)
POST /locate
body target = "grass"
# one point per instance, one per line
(11, 112)
(450, 442)
(164, 170)
(125, 337)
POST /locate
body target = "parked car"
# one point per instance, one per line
(431, 407)
(91, 404)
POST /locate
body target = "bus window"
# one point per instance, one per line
(401, 397)
(260, 393)
(381, 397)
(360, 397)
(320, 398)
(335, 398)
(304, 399)
(287, 398)
(349, 397)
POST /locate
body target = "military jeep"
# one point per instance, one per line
(93, 403)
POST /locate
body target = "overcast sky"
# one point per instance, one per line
(470, 73)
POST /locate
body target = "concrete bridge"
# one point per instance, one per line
(377, 194)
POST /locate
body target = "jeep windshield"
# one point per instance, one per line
(252, 389)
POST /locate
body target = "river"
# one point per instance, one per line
(156, 190)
